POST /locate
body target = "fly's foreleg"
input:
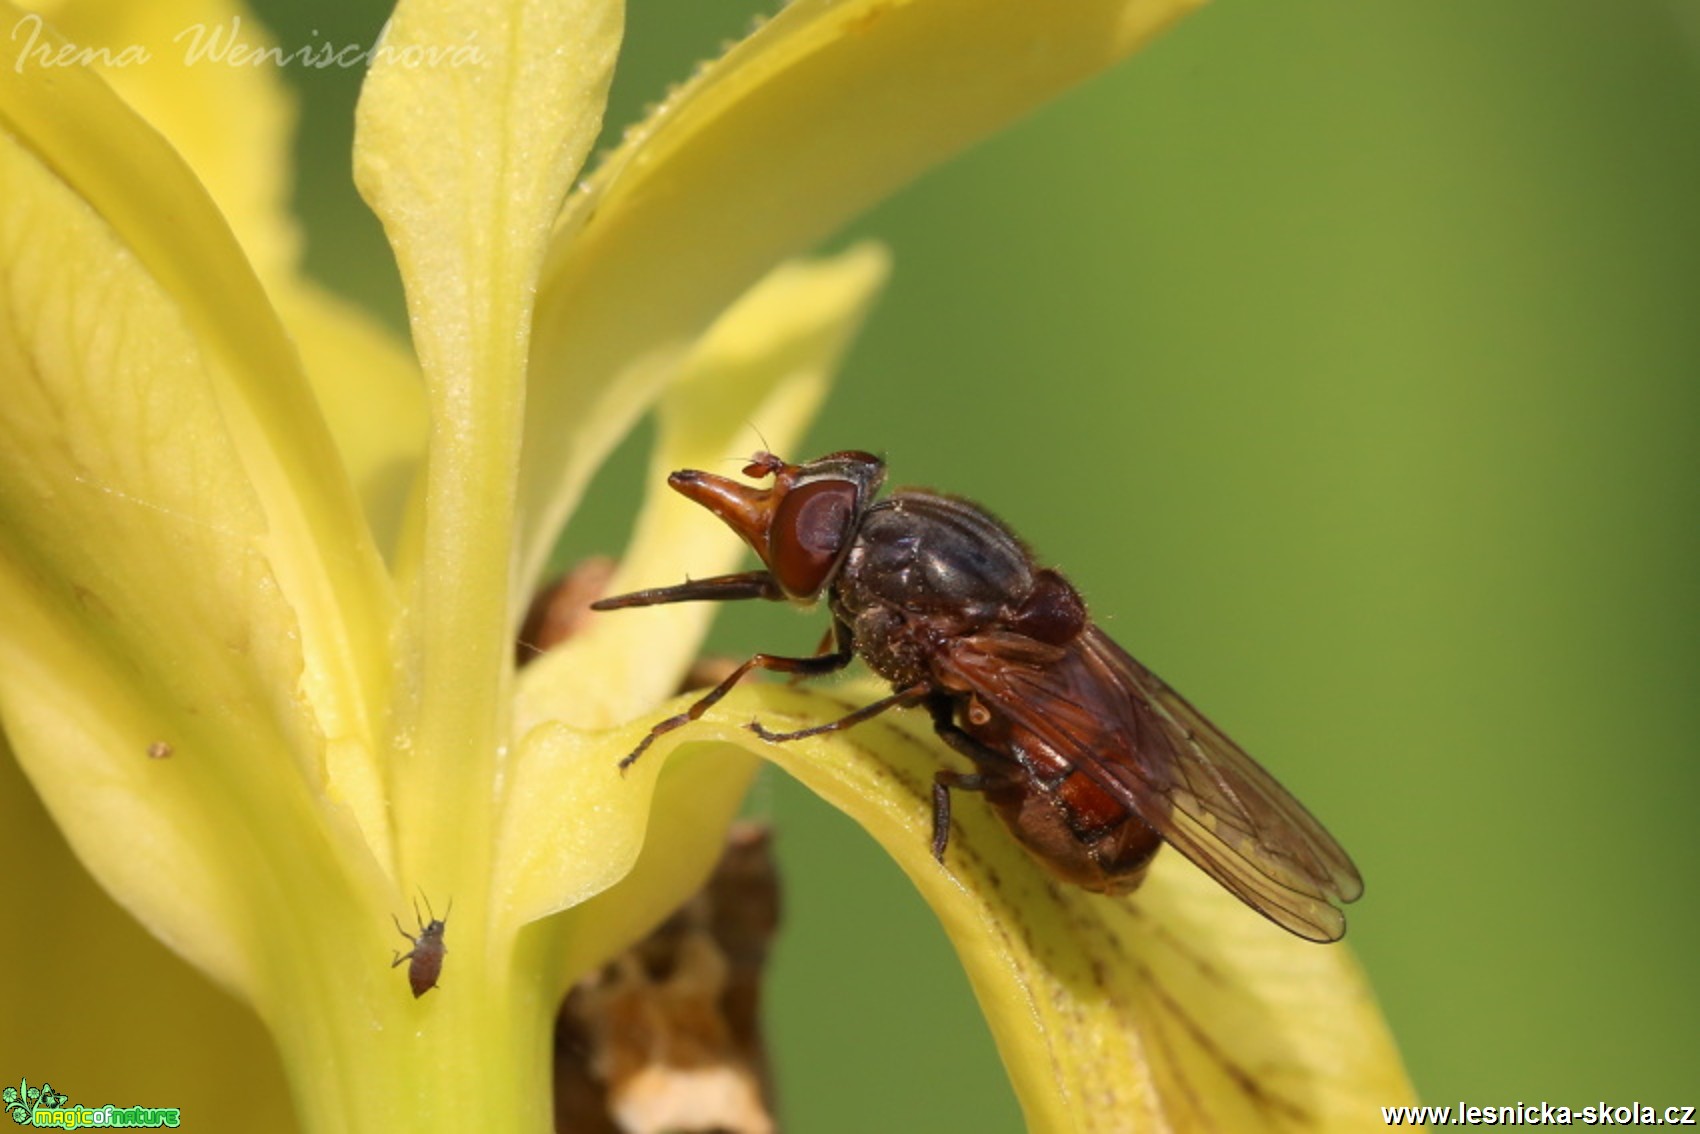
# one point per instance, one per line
(720, 588)
(867, 712)
(806, 667)
(829, 642)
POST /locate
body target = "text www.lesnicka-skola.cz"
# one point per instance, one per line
(1539, 1114)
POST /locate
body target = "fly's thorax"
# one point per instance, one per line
(936, 557)
(925, 570)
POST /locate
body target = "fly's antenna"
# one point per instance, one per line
(763, 452)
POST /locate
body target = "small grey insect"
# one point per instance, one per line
(428, 949)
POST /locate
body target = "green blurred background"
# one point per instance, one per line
(1346, 355)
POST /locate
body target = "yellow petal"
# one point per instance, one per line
(1175, 1009)
(313, 536)
(471, 125)
(575, 823)
(768, 360)
(205, 74)
(697, 795)
(142, 606)
(197, 71)
(91, 960)
(368, 386)
(182, 808)
(819, 114)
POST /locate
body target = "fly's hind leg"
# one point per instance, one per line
(944, 782)
(989, 768)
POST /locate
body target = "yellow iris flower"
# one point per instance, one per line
(261, 566)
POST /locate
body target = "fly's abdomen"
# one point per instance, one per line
(1081, 832)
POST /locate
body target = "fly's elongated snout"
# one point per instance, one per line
(744, 508)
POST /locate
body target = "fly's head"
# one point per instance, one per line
(802, 523)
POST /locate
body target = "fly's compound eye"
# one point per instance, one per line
(810, 529)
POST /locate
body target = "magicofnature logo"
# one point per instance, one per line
(23, 1100)
(44, 1107)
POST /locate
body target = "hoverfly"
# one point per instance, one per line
(1090, 759)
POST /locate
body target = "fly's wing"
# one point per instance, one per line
(1140, 741)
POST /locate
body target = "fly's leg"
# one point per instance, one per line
(943, 783)
(720, 588)
(807, 667)
(828, 642)
(897, 700)
(988, 762)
